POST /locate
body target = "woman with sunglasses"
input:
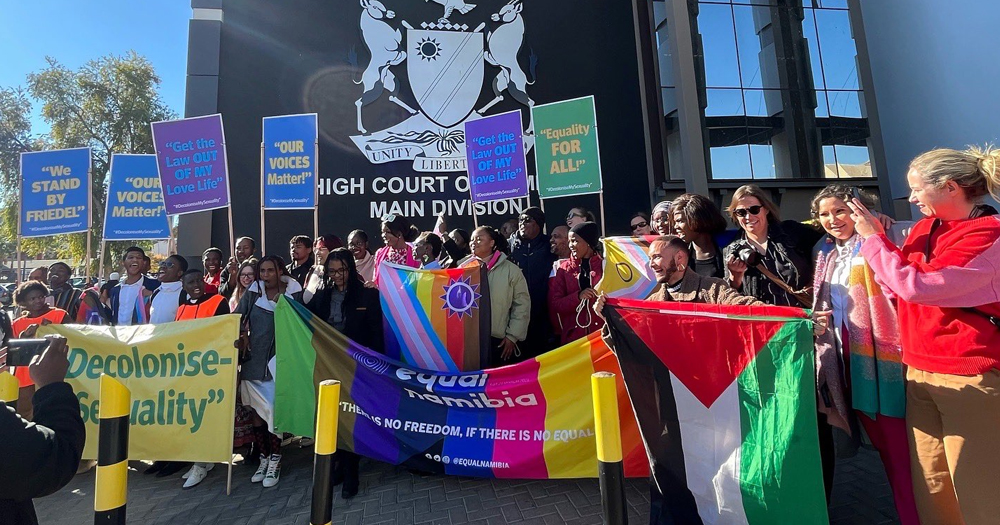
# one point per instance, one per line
(698, 222)
(639, 224)
(783, 250)
(579, 215)
(396, 233)
(510, 303)
(355, 311)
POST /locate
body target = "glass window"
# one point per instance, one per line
(731, 162)
(830, 163)
(718, 37)
(812, 41)
(837, 50)
(665, 58)
(845, 103)
(822, 107)
(724, 102)
(669, 101)
(762, 158)
(758, 63)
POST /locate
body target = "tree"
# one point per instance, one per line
(107, 105)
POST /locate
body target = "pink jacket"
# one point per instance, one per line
(564, 298)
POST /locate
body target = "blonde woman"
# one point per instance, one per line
(947, 284)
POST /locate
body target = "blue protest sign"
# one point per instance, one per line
(289, 169)
(55, 192)
(135, 208)
(494, 149)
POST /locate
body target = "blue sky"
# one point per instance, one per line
(74, 32)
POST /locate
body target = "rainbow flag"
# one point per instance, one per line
(626, 268)
(726, 400)
(534, 419)
(436, 319)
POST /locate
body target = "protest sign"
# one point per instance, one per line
(55, 192)
(532, 420)
(182, 376)
(191, 159)
(567, 160)
(135, 208)
(289, 168)
(494, 154)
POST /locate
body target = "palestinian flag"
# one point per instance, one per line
(726, 404)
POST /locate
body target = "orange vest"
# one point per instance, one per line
(199, 311)
(54, 316)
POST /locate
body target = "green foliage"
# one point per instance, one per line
(107, 105)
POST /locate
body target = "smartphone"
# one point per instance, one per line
(20, 351)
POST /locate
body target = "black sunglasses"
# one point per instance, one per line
(571, 215)
(638, 225)
(752, 210)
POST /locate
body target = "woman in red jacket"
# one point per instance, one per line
(571, 285)
(948, 288)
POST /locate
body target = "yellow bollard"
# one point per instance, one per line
(8, 389)
(609, 448)
(112, 452)
(327, 412)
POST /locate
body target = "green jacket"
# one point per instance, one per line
(510, 303)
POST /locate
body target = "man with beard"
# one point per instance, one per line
(559, 243)
(530, 250)
(669, 258)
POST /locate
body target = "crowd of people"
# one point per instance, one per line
(906, 315)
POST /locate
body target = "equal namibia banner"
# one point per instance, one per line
(436, 319)
(725, 398)
(182, 377)
(626, 268)
(534, 419)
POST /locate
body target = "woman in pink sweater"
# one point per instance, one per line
(947, 284)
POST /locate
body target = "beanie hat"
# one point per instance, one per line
(589, 232)
(536, 215)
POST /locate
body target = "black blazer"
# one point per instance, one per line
(362, 315)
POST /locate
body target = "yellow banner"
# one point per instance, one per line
(182, 377)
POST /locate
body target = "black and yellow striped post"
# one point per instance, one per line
(8, 389)
(327, 410)
(609, 448)
(112, 452)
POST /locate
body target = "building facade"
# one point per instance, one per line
(692, 96)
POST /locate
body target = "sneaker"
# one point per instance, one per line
(273, 471)
(198, 473)
(306, 442)
(261, 470)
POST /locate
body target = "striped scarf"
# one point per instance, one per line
(877, 374)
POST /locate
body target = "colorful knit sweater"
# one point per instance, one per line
(877, 375)
(944, 300)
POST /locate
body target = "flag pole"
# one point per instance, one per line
(604, 220)
(263, 236)
(315, 187)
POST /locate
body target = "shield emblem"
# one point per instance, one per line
(446, 71)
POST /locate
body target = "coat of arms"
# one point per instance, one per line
(446, 63)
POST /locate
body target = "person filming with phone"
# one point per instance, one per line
(40, 456)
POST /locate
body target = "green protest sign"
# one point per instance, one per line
(567, 159)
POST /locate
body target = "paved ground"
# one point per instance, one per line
(393, 495)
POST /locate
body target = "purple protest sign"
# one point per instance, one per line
(494, 150)
(191, 160)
